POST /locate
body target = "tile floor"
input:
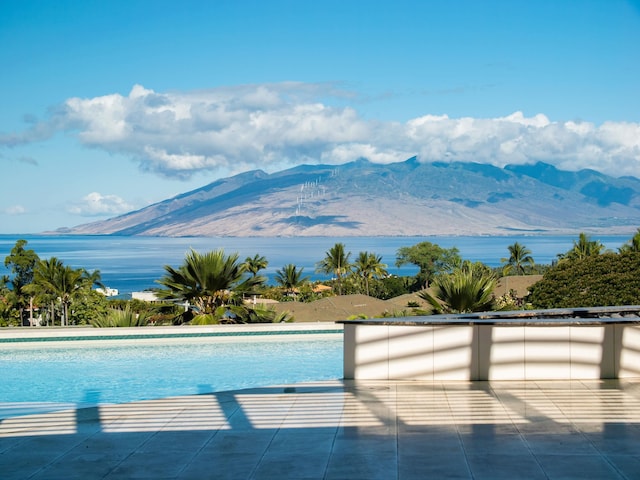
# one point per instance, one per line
(342, 430)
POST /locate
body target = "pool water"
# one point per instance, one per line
(94, 374)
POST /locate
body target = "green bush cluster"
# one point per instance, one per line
(600, 280)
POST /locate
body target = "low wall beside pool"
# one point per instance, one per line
(585, 343)
(51, 336)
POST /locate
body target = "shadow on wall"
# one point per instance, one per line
(490, 352)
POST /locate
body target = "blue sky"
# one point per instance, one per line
(108, 106)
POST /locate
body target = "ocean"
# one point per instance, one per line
(132, 264)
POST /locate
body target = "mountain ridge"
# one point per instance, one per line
(407, 198)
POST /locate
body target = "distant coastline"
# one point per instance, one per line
(133, 263)
(507, 232)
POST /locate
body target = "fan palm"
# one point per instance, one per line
(467, 289)
(211, 283)
(121, 318)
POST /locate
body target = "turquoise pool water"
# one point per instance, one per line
(109, 373)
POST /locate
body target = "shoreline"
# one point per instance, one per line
(616, 230)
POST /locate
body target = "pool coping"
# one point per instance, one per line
(23, 335)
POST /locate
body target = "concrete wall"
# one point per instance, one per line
(488, 352)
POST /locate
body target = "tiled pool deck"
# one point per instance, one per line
(342, 430)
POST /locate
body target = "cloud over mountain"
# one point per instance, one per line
(96, 204)
(274, 126)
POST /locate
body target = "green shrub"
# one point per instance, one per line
(393, 286)
(88, 306)
(602, 280)
(121, 318)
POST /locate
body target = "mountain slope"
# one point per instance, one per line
(407, 198)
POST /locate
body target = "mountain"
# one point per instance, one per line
(406, 198)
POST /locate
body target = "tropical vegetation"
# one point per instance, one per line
(121, 318)
(21, 263)
(336, 262)
(632, 245)
(519, 259)
(596, 280)
(255, 264)
(290, 279)
(468, 288)
(430, 258)
(582, 248)
(214, 287)
(47, 287)
(369, 266)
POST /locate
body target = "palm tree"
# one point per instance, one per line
(519, 256)
(290, 277)
(583, 248)
(212, 283)
(57, 282)
(632, 245)
(335, 262)
(92, 279)
(368, 266)
(255, 264)
(44, 282)
(70, 282)
(467, 289)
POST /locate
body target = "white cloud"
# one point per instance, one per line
(276, 125)
(96, 204)
(15, 210)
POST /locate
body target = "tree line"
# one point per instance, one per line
(213, 287)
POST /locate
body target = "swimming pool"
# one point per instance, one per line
(71, 373)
